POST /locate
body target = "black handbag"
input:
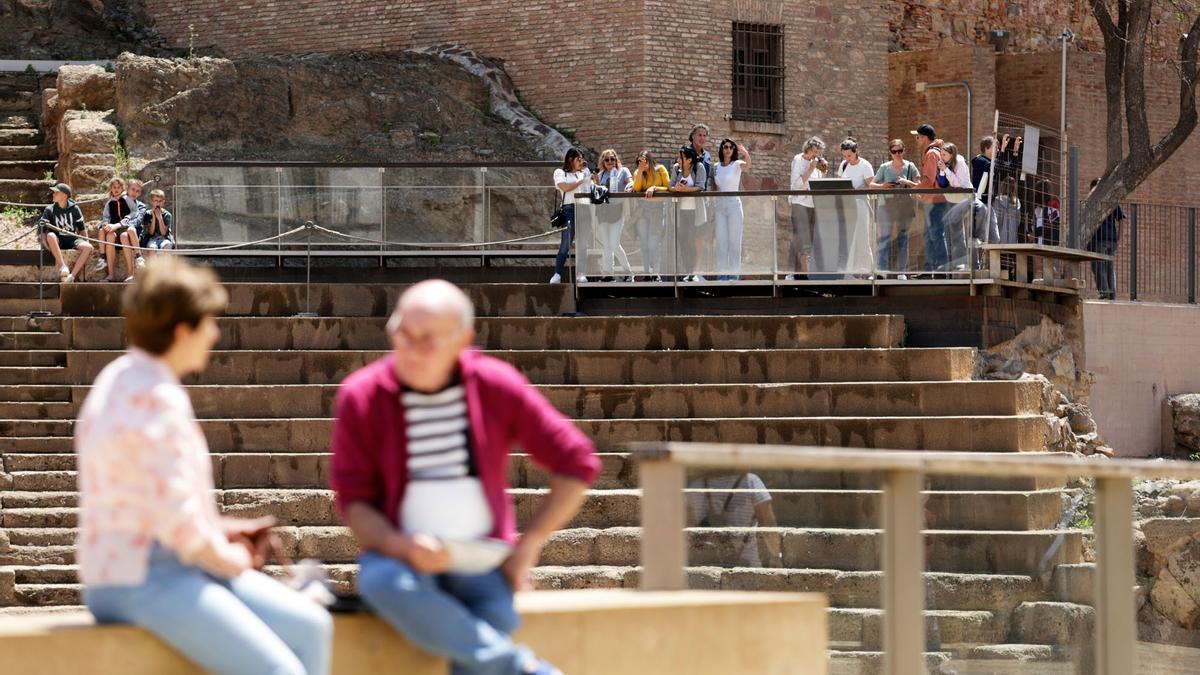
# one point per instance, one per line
(558, 219)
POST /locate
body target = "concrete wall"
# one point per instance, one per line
(1141, 354)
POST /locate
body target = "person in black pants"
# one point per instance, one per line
(1105, 241)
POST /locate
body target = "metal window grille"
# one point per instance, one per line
(758, 72)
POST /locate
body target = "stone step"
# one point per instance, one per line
(861, 629)
(861, 662)
(341, 300)
(12, 306)
(34, 393)
(26, 169)
(589, 367)
(20, 136)
(998, 594)
(1075, 583)
(962, 551)
(18, 121)
(32, 375)
(25, 339)
(25, 191)
(25, 324)
(25, 153)
(622, 508)
(892, 399)
(1011, 433)
(17, 101)
(580, 332)
(618, 471)
(33, 357)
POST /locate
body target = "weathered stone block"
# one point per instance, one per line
(87, 87)
(1173, 600)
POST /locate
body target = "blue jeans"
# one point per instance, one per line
(568, 236)
(466, 619)
(251, 624)
(937, 257)
(883, 253)
(1103, 271)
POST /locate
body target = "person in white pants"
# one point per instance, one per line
(611, 217)
(733, 161)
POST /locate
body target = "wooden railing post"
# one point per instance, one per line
(1116, 632)
(903, 566)
(664, 543)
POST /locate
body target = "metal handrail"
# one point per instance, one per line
(664, 546)
(300, 164)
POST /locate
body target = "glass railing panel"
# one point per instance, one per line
(223, 214)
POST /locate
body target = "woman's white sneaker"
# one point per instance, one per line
(557, 278)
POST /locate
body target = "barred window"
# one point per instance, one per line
(757, 72)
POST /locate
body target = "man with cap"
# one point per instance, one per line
(937, 255)
(65, 215)
(420, 455)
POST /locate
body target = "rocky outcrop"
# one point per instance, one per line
(1049, 352)
(78, 29)
(505, 103)
(344, 107)
(85, 88)
(1185, 421)
(1168, 557)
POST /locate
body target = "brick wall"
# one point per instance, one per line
(613, 73)
(944, 108)
(1033, 25)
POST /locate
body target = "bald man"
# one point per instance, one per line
(420, 457)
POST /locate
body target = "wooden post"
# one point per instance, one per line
(994, 265)
(1022, 273)
(903, 565)
(664, 544)
(1116, 632)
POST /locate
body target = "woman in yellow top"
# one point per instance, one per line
(651, 226)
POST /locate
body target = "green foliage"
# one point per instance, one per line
(30, 70)
(108, 67)
(17, 213)
(122, 155)
(1082, 520)
(47, 175)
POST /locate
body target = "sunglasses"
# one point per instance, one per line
(610, 159)
(897, 151)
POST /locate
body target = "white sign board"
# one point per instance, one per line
(1029, 150)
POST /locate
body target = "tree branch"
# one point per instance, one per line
(1114, 67)
(1188, 71)
(1137, 124)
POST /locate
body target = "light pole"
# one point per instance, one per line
(922, 87)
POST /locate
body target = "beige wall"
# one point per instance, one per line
(1141, 354)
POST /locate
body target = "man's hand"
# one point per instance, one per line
(425, 554)
(109, 228)
(520, 562)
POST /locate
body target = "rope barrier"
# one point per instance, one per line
(382, 242)
(42, 206)
(211, 249)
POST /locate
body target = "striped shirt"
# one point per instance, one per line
(438, 444)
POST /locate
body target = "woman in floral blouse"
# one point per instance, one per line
(153, 550)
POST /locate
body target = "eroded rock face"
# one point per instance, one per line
(78, 29)
(345, 107)
(1047, 352)
(85, 88)
(1185, 419)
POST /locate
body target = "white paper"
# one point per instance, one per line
(1029, 150)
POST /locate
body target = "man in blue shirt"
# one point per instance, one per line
(1105, 241)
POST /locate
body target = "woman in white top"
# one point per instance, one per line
(570, 179)
(611, 217)
(856, 257)
(733, 161)
(953, 171)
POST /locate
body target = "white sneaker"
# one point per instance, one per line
(557, 278)
(790, 277)
(70, 278)
(698, 277)
(582, 279)
(139, 262)
(129, 278)
(101, 265)
(63, 272)
(902, 277)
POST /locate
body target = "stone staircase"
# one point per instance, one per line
(25, 157)
(266, 399)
